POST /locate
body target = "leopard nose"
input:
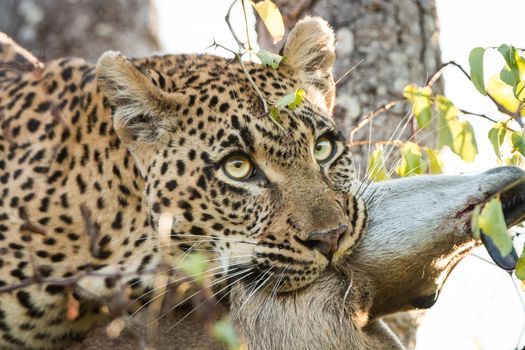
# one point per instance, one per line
(326, 242)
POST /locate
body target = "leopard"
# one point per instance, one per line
(95, 155)
(419, 230)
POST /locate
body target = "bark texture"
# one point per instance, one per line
(393, 43)
(83, 28)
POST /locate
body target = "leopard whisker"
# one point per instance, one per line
(258, 288)
(172, 282)
(277, 286)
(214, 294)
(192, 295)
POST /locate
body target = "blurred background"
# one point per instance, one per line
(390, 44)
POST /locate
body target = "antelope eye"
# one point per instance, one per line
(324, 149)
(238, 167)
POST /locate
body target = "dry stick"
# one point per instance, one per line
(397, 143)
(92, 229)
(246, 26)
(69, 281)
(480, 115)
(239, 54)
(30, 226)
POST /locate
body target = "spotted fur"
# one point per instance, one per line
(109, 148)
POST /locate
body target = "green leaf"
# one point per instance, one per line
(436, 166)
(194, 264)
(518, 142)
(496, 137)
(270, 59)
(514, 70)
(292, 100)
(271, 17)
(420, 99)
(411, 160)
(458, 135)
(506, 76)
(520, 266)
(510, 73)
(474, 223)
(475, 60)
(224, 332)
(275, 114)
(376, 166)
(492, 222)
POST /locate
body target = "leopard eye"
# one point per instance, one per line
(238, 167)
(324, 149)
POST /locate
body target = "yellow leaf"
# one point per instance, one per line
(503, 94)
(515, 159)
(448, 121)
(436, 166)
(292, 101)
(411, 160)
(520, 266)
(420, 99)
(376, 166)
(465, 142)
(271, 17)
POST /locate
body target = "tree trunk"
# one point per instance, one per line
(83, 28)
(388, 44)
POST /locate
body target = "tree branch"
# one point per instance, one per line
(363, 120)
(397, 143)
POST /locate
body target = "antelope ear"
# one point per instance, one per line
(142, 109)
(310, 51)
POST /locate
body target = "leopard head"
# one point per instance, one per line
(274, 199)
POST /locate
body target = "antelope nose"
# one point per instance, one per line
(326, 242)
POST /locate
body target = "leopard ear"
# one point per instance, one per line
(142, 109)
(143, 114)
(310, 51)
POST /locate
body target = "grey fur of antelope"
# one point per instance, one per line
(419, 229)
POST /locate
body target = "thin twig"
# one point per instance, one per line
(246, 26)
(371, 115)
(227, 19)
(397, 143)
(32, 227)
(92, 230)
(239, 54)
(481, 115)
(515, 115)
(72, 280)
(440, 70)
